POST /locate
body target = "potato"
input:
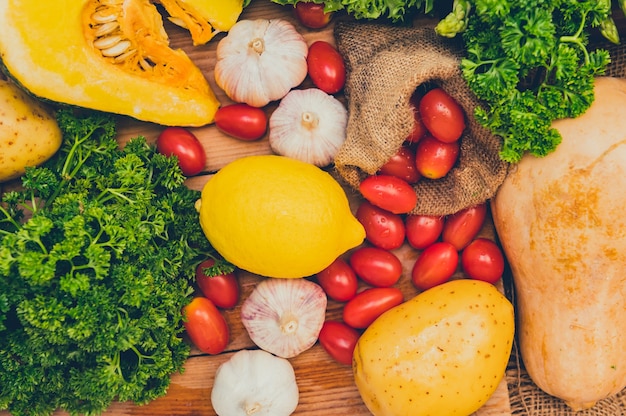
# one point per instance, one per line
(29, 134)
(444, 352)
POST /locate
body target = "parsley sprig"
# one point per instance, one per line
(96, 255)
(530, 63)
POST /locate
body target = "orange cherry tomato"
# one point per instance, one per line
(206, 326)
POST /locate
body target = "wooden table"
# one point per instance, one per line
(326, 387)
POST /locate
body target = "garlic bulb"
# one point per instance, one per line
(255, 382)
(284, 316)
(260, 60)
(308, 125)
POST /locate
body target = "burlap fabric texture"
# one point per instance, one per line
(385, 64)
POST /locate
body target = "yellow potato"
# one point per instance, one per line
(444, 352)
(29, 134)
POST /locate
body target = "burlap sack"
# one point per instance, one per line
(385, 64)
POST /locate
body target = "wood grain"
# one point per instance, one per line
(326, 388)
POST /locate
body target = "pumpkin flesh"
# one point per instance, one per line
(561, 223)
(107, 55)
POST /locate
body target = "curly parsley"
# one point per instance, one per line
(529, 62)
(93, 282)
(394, 10)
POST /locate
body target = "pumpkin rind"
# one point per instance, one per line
(203, 18)
(561, 223)
(59, 51)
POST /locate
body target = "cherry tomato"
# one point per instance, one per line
(389, 192)
(339, 341)
(434, 158)
(482, 259)
(326, 67)
(423, 230)
(442, 115)
(338, 280)
(241, 121)
(462, 227)
(222, 290)
(419, 129)
(205, 326)
(312, 15)
(369, 304)
(402, 165)
(383, 229)
(181, 143)
(376, 266)
(435, 265)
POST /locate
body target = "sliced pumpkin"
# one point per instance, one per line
(107, 55)
(203, 18)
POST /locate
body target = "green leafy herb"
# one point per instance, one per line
(529, 62)
(394, 10)
(96, 255)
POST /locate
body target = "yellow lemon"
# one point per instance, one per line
(278, 217)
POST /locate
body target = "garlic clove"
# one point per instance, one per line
(255, 382)
(308, 125)
(284, 316)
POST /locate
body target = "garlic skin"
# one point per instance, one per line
(308, 125)
(284, 316)
(255, 383)
(260, 60)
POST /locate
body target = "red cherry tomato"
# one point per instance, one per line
(338, 280)
(241, 121)
(369, 304)
(442, 115)
(179, 142)
(383, 229)
(435, 265)
(205, 326)
(462, 227)
(419, 129)
(423, 230)
(339, 341)
(312, 15)
(434, 158)
(376, 266)
(389, 192)
(402, 165)
(222, 290)
(326, 67)
(482, 259)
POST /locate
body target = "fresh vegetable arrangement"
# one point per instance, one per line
(96, 255)
(149, 298)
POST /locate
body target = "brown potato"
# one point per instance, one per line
(29, 133)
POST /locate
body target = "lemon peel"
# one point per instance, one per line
(277, 217)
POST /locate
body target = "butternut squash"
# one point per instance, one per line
(562, 226)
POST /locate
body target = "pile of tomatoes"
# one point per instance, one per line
(443, 242)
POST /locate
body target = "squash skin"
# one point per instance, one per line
(561, 223)
(45, 48)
